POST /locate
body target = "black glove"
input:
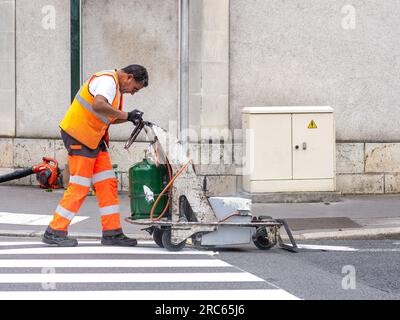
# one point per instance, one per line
(135, 116)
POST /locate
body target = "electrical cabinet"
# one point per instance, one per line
(288, 149)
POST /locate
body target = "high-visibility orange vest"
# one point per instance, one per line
(82, 122)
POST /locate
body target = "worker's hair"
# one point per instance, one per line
(139, 73)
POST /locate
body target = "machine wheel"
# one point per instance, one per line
(261, 239)
(166, 241)
(157, 237)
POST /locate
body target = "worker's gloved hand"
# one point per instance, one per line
(135, 116)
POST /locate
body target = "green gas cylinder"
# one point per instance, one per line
(146, 182)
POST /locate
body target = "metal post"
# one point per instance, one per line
(75, 47)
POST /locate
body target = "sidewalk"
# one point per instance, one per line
(354, 217)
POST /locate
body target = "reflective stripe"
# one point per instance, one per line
(86, 182)
(87, 105)
(104, 175)
(65, 213)
(109, 210)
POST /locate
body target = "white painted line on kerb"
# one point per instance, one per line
(346, 249)
(101, 250)
(326, 248)
(261, 294)
(380, 250)
(128, 277)
(115, 263)
(31, 219)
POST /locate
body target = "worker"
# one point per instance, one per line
(84, 131)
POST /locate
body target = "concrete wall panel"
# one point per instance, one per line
(7, 113)
(7, 16)
(306, 52)
(43, 67)
(7, 68)
(118, 33)
(209, 66)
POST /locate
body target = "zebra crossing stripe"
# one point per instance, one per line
(219, 277)
(259, 294)
(326, 248)
(128, 277)
(32, 219)
(115, 263)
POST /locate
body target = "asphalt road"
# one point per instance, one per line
(353, 270)
(321, 275)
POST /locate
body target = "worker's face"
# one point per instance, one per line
(131, 86)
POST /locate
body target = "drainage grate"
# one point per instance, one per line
(321, 223)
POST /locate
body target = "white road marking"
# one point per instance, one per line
(261, 294)
(380, 250)
(238, 276)
(101, 250)
(326, 248)
(31, 219)
(128, 277)
(115, 263)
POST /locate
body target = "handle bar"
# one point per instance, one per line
(136, 131)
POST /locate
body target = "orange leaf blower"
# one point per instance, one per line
(48, 174)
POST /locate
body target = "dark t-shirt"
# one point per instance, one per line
(75, 148)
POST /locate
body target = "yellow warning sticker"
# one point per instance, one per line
(312, 125)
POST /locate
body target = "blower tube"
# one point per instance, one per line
(16, 175)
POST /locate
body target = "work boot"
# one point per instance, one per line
(120, 240)
(60, 241)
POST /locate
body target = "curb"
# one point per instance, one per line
(293, 197)
(353, 234)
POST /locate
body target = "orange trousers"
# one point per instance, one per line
(83, 173)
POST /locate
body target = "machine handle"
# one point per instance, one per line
(136, 131)
(50, 160)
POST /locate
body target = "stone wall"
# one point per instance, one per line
(362, 168)
(368, 168)
(214, 161)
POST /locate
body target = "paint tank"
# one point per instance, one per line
(146, 182)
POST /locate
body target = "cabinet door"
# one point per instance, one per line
(313, 146)
(270, 154)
